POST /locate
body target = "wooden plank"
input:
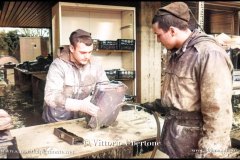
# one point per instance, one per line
(127, 26)
(4, 12)
(43, 20)
(128, 31)
(38, 86)
(9, 10)
(40, 142)
(13, 13)
(30, 11)
(24, 12)
(40, 16)
(41, 76)
(95, 7)
(56, 27)
(19, 8)
(149, 55)
(40, 9)
(222, 23)
(72, 20)
(109, 21)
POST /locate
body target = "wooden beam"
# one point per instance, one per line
(13, 13)
(27, 9)
(8, 12)
(3, 13)
(23, 12)
(43, 13)
(31, 13)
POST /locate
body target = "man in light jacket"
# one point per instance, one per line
(71, 79)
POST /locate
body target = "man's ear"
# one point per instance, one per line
(71, 47)
(172, 31)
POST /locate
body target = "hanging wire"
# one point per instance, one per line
(196, 20)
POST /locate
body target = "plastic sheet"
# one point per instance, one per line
(108, 96)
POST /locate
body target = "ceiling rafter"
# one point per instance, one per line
(22, 13)
(3, 13)
(16, 8)
(30, 12)
(37, 14)
(10, 7)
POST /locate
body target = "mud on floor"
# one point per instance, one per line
(21, 108)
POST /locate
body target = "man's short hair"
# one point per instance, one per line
(80, 36)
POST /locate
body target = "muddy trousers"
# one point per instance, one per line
(181, 133)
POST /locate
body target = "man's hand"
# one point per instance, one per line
(82, 105)
(154, 106)
(149, 107)
(5, 120)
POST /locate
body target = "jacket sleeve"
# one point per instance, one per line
(54, 96)
(216, 92)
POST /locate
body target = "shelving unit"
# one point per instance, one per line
(104, 22)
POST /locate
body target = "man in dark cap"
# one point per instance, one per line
(197, 88)
(71, 79)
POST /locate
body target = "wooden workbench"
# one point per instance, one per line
(23, 78)
(38, 86)
(131, 127)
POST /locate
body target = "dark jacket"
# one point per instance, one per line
(198, 79)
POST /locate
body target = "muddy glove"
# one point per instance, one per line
(155, 106)
(5, 120)
(81, 105)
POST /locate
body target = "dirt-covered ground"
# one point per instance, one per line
(25, 113)
(21, 108)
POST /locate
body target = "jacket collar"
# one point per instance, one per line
(179, 52)
(65, 56)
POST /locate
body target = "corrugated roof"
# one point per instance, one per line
(25, 14)
(37, 14)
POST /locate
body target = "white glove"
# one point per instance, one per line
(81, 105)
(5, 120)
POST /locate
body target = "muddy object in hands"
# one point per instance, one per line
(66, 136)
(108, 96)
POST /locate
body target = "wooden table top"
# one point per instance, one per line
(131, 126)
(41, 76)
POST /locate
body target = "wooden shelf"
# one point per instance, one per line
(124, 79)
(112, 51)
(104, 22)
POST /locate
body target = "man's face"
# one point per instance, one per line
(81, 53)
(165, 38)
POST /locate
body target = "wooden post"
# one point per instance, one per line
(148, 54)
